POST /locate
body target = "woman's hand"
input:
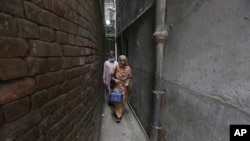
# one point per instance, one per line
(116, 80)
(127, 83)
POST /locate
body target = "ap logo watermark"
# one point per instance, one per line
(239, 132)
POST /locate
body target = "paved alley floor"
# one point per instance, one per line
(127, 130)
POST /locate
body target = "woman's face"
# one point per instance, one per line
(122, 62)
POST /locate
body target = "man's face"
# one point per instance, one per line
(111, 54)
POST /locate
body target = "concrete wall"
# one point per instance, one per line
(50, 69)
(206, 69)
(139, 48)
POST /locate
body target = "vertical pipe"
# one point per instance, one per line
(115, 30)
(160, 37)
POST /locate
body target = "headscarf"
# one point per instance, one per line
(123, 72)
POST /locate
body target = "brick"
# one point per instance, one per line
(83, 23)
(13, 90)
(69, 138)
(83, 32)
(76, 17)
(73, 93)
(87, 25)
(16, 109)
(55, 63)
(12, 47)
(58, 7)
(81, 41)
(8, 25)
(28, 29)
(83, 51)
(12, 68)
(41, 16)
(70, 50)
(69, 14)
(37, 66)
(13, 7)
(47, 34)
(62, 125)
(73, 103)
(85, 91)
(65, 131)
(86, 68)
(92, 59)
(84, 11)
(11, 131)
(1, 117)
(77, 128)
(52, 119)
(72, 4)
(83, 81)
(75, 138)
(71, 84)
(61, 37)
(45, 49)
(38, 2)
(73, 72)
(48, 4)
(80, 10)
(55, 91)
(49, 79)
(87, 76)
(96, 65)
(86, 42)
(82, 61)
(42, 138)
(68, 26)
(91, 44)
(72, 39)
(31, 135)
(53, 105)
(87, 51)
(39, 98)
(71, 62)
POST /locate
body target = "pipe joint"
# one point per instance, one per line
(160, 37)
(156, 92)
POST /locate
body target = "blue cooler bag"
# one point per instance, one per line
(116, 97)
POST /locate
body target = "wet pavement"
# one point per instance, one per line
(127, 130)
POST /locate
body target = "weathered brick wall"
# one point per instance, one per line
(50, 70)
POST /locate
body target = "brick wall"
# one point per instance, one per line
(50, 70)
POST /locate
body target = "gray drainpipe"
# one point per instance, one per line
(160, 37)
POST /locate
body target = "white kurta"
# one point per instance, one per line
(108, 67)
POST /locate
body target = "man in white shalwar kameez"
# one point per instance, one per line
(108, 67)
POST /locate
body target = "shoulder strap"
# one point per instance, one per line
(116, 69)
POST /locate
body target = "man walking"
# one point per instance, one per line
(108, 67)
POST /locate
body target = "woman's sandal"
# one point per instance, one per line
(118, 120)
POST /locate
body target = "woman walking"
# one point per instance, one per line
(122, 76)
